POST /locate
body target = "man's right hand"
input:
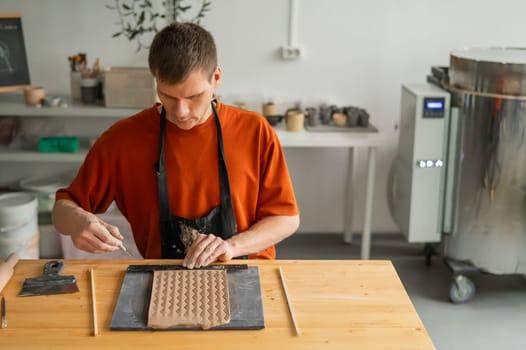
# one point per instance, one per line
(97, 237)
(87, 231)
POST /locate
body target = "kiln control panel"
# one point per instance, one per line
(434, 107)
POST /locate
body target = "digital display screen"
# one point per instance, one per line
(435, 105)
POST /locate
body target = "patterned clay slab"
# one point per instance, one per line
(197, 298)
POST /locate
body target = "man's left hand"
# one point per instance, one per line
(205, 250)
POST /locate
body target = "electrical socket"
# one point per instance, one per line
(290, 52)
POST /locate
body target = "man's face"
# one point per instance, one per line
(187, 103)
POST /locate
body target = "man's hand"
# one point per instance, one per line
(206, 249)
(97, 236)
(87, 231)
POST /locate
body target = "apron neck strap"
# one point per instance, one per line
(228, 219)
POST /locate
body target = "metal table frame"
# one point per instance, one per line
(351, 141)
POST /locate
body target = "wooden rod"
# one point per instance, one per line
(94, 304)
(282, 278)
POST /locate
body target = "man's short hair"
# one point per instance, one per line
(179, 49)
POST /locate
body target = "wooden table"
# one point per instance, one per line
(338, 305)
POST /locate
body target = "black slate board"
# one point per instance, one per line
(246, 308)
(13, 60)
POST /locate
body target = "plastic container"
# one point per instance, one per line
(19, 225)
(61, 144)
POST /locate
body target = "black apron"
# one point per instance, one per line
(178, 233)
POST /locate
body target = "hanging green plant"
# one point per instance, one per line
(139, 20)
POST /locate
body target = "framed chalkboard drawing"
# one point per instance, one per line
(14, 72)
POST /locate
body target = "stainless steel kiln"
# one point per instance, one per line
(460, 175)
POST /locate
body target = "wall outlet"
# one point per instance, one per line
(290, 52)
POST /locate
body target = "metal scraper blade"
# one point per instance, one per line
(50, 282)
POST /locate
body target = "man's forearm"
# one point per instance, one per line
(68, 217)
(263, 234)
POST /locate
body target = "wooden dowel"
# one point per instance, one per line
(94, 304)
(296, 327)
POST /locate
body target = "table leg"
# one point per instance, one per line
(366, 235)
(348, 200)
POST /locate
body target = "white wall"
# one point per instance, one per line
(356, 53)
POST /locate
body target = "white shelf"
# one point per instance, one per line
(302, 139)
(328, 139)
(12, 105)
(22, 156)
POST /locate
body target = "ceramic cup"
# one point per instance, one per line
(339, 119)
(325, 114)
(312, 116)
(34, 95)
(295, 120)
(269, 108)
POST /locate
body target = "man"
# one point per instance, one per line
(195, 178)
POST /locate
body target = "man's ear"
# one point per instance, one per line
(216, 77)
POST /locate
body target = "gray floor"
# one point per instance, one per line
(495, 318)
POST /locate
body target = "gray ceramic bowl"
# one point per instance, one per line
(274, 119)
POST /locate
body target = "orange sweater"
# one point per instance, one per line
(120, 167)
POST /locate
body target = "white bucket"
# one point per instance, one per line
(44, 189)
(19, 225)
